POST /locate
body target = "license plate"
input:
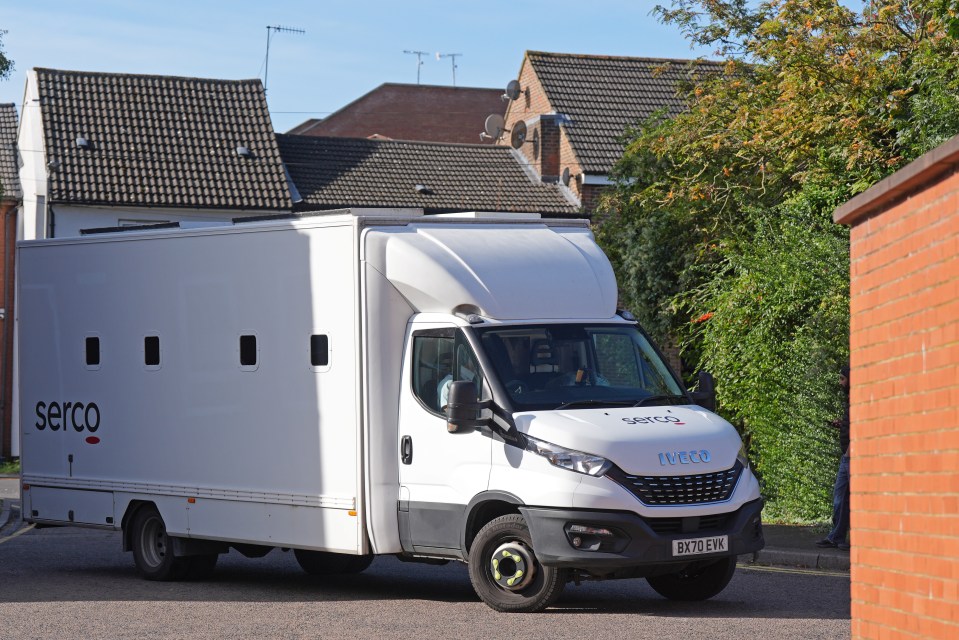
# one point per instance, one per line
(698, 546)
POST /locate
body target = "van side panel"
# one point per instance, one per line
(182, 366)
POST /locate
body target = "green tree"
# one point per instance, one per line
(6, 64)
(723, 213)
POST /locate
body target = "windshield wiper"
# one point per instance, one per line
(662, 398)
(593, 403)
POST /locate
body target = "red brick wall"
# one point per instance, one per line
(905, 421)
(414, 112)
(555, 152)
(589, 196)
(531, 102)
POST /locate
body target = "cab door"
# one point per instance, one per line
(440, 472)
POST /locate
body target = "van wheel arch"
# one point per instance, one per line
(128, 515)
(483, 509)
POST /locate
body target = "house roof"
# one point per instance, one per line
(330, 173)
(9, 169)
(603, 95)
(412, 112)
(159, 141)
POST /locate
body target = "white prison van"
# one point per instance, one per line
(361, 383)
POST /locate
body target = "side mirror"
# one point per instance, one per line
(705, 394)
(464, 408)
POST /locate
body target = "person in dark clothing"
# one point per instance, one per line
(840, 492)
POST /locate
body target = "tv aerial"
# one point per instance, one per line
(495, 127)
(419, 60)
(452, 57)
(270, 30)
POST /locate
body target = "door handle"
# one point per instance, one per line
(406, 450)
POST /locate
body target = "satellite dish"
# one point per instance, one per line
(494, 125)
(518, 135)
(566, 176)
(513, 89)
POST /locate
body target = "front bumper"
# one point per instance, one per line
(637, 542)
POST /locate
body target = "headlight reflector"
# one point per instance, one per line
(568, 459)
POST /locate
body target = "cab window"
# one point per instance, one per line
(441, 357)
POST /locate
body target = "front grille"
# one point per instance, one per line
(689, 524)
(658, 491)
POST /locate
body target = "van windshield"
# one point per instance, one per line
(569, 366)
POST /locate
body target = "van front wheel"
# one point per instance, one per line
(505, 572)
(696, 582)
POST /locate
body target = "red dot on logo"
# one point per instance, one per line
(93, 440)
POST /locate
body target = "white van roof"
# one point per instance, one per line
(509, 271)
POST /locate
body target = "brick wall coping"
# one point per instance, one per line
(900, 185)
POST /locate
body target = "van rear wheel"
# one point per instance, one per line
(505, 572)
(695, 582)
(153, 554)
(153, 548)
(324, 563)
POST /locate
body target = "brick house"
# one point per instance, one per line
(10, 196)
(411, 112)
(905, 400)
(576, 109)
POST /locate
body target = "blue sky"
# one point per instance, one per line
(349, 47)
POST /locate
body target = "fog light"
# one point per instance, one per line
(584, 537)
(592, 531)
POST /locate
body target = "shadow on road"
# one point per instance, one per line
(76, 566)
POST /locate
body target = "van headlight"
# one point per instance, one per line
(567, 458)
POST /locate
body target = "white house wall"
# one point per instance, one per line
(33, 170)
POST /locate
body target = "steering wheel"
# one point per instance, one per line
(516, 387)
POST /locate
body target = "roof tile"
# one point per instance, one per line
(9, 169)
(149, 133)
(604, 95)
(331, 173)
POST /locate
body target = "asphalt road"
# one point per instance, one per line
(76, 583)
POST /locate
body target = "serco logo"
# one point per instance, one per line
(78, 415)
(653, 420)
(684, 457)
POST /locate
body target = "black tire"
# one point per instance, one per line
(323, 563)
(695, 583)
(153, 548)
(535, 588)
